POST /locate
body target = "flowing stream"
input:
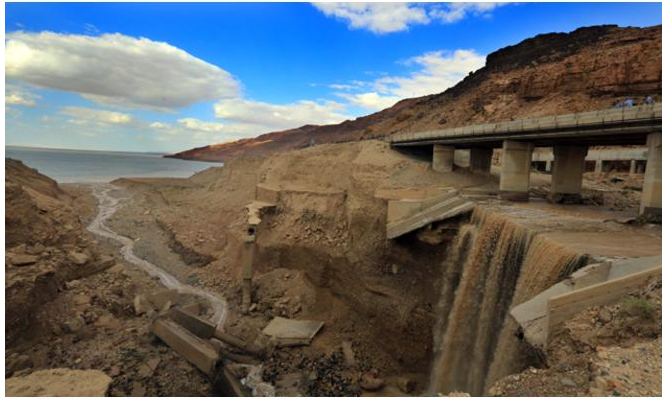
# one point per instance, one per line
(108, 206)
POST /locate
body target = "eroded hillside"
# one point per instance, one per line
(554, 73)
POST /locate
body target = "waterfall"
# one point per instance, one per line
(494, 264)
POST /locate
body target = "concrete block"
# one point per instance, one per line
(197, 352)
(194, 324)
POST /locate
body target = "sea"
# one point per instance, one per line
(76, 166)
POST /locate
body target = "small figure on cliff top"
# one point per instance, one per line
(628, 102)
(618, 104)
(649, 100)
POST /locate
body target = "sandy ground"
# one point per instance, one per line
(322, 255)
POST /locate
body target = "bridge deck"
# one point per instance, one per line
(624, 126)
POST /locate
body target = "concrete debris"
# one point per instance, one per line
(289, 332)
(194, 324)
(199, 353)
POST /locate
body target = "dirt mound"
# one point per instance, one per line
(556, 73)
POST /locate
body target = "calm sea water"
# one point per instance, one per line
(73, 166)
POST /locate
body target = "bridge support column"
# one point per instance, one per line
(651, 197)
(480, 160)
(567, 174)
(442, 158)
(515, 170)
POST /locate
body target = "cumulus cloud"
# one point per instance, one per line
(376, 17)
(84, 115)
(200, 125)
(18, 97)
(453, 12)
(242, 114)
(436, 72)
(116, 70)
(382, 18)
(370, 100)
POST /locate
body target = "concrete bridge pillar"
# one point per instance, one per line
(567, 174)
(515, 170)
(651, 197)
(480, 160)
(442, 158)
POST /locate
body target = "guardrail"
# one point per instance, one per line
(635, 115)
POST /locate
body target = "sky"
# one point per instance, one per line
(165, 77)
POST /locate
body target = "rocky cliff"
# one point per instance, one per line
(555, 73)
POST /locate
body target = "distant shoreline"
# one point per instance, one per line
(87, 150)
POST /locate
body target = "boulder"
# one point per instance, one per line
(59, 382)
(23, 259)
(78, 258)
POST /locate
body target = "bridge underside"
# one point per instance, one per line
(568, 135)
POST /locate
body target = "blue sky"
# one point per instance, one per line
(167, 77)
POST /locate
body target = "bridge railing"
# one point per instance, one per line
(548, 123)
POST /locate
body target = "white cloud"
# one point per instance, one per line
(370, 100)
(115, 69)
(159, 125)
(83, 115)
(195, 124)
(376, 17)
(20, 98)
(453, 12)
(437, 71)
(382, 18)
(254, 117)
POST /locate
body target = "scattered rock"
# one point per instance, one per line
(23, 259)
(604, 315)
(568, 382)
(78, 258)
(17, 362)
(370, 382)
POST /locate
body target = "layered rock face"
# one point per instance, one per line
(557, 73)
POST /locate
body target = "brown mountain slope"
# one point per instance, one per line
(554, 73)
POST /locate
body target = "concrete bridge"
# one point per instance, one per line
(570, 136)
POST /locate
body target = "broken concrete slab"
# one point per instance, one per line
(289, 332)
(438, 209)
(199, 353)
(533, 315)
(196, 325)
(256, 209)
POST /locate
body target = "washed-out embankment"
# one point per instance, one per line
(468, 340)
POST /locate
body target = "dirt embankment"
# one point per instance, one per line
(69, 302)
(556, 73)
(612, 350)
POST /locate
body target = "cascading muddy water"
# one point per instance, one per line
(494, 264)
(108, 205)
